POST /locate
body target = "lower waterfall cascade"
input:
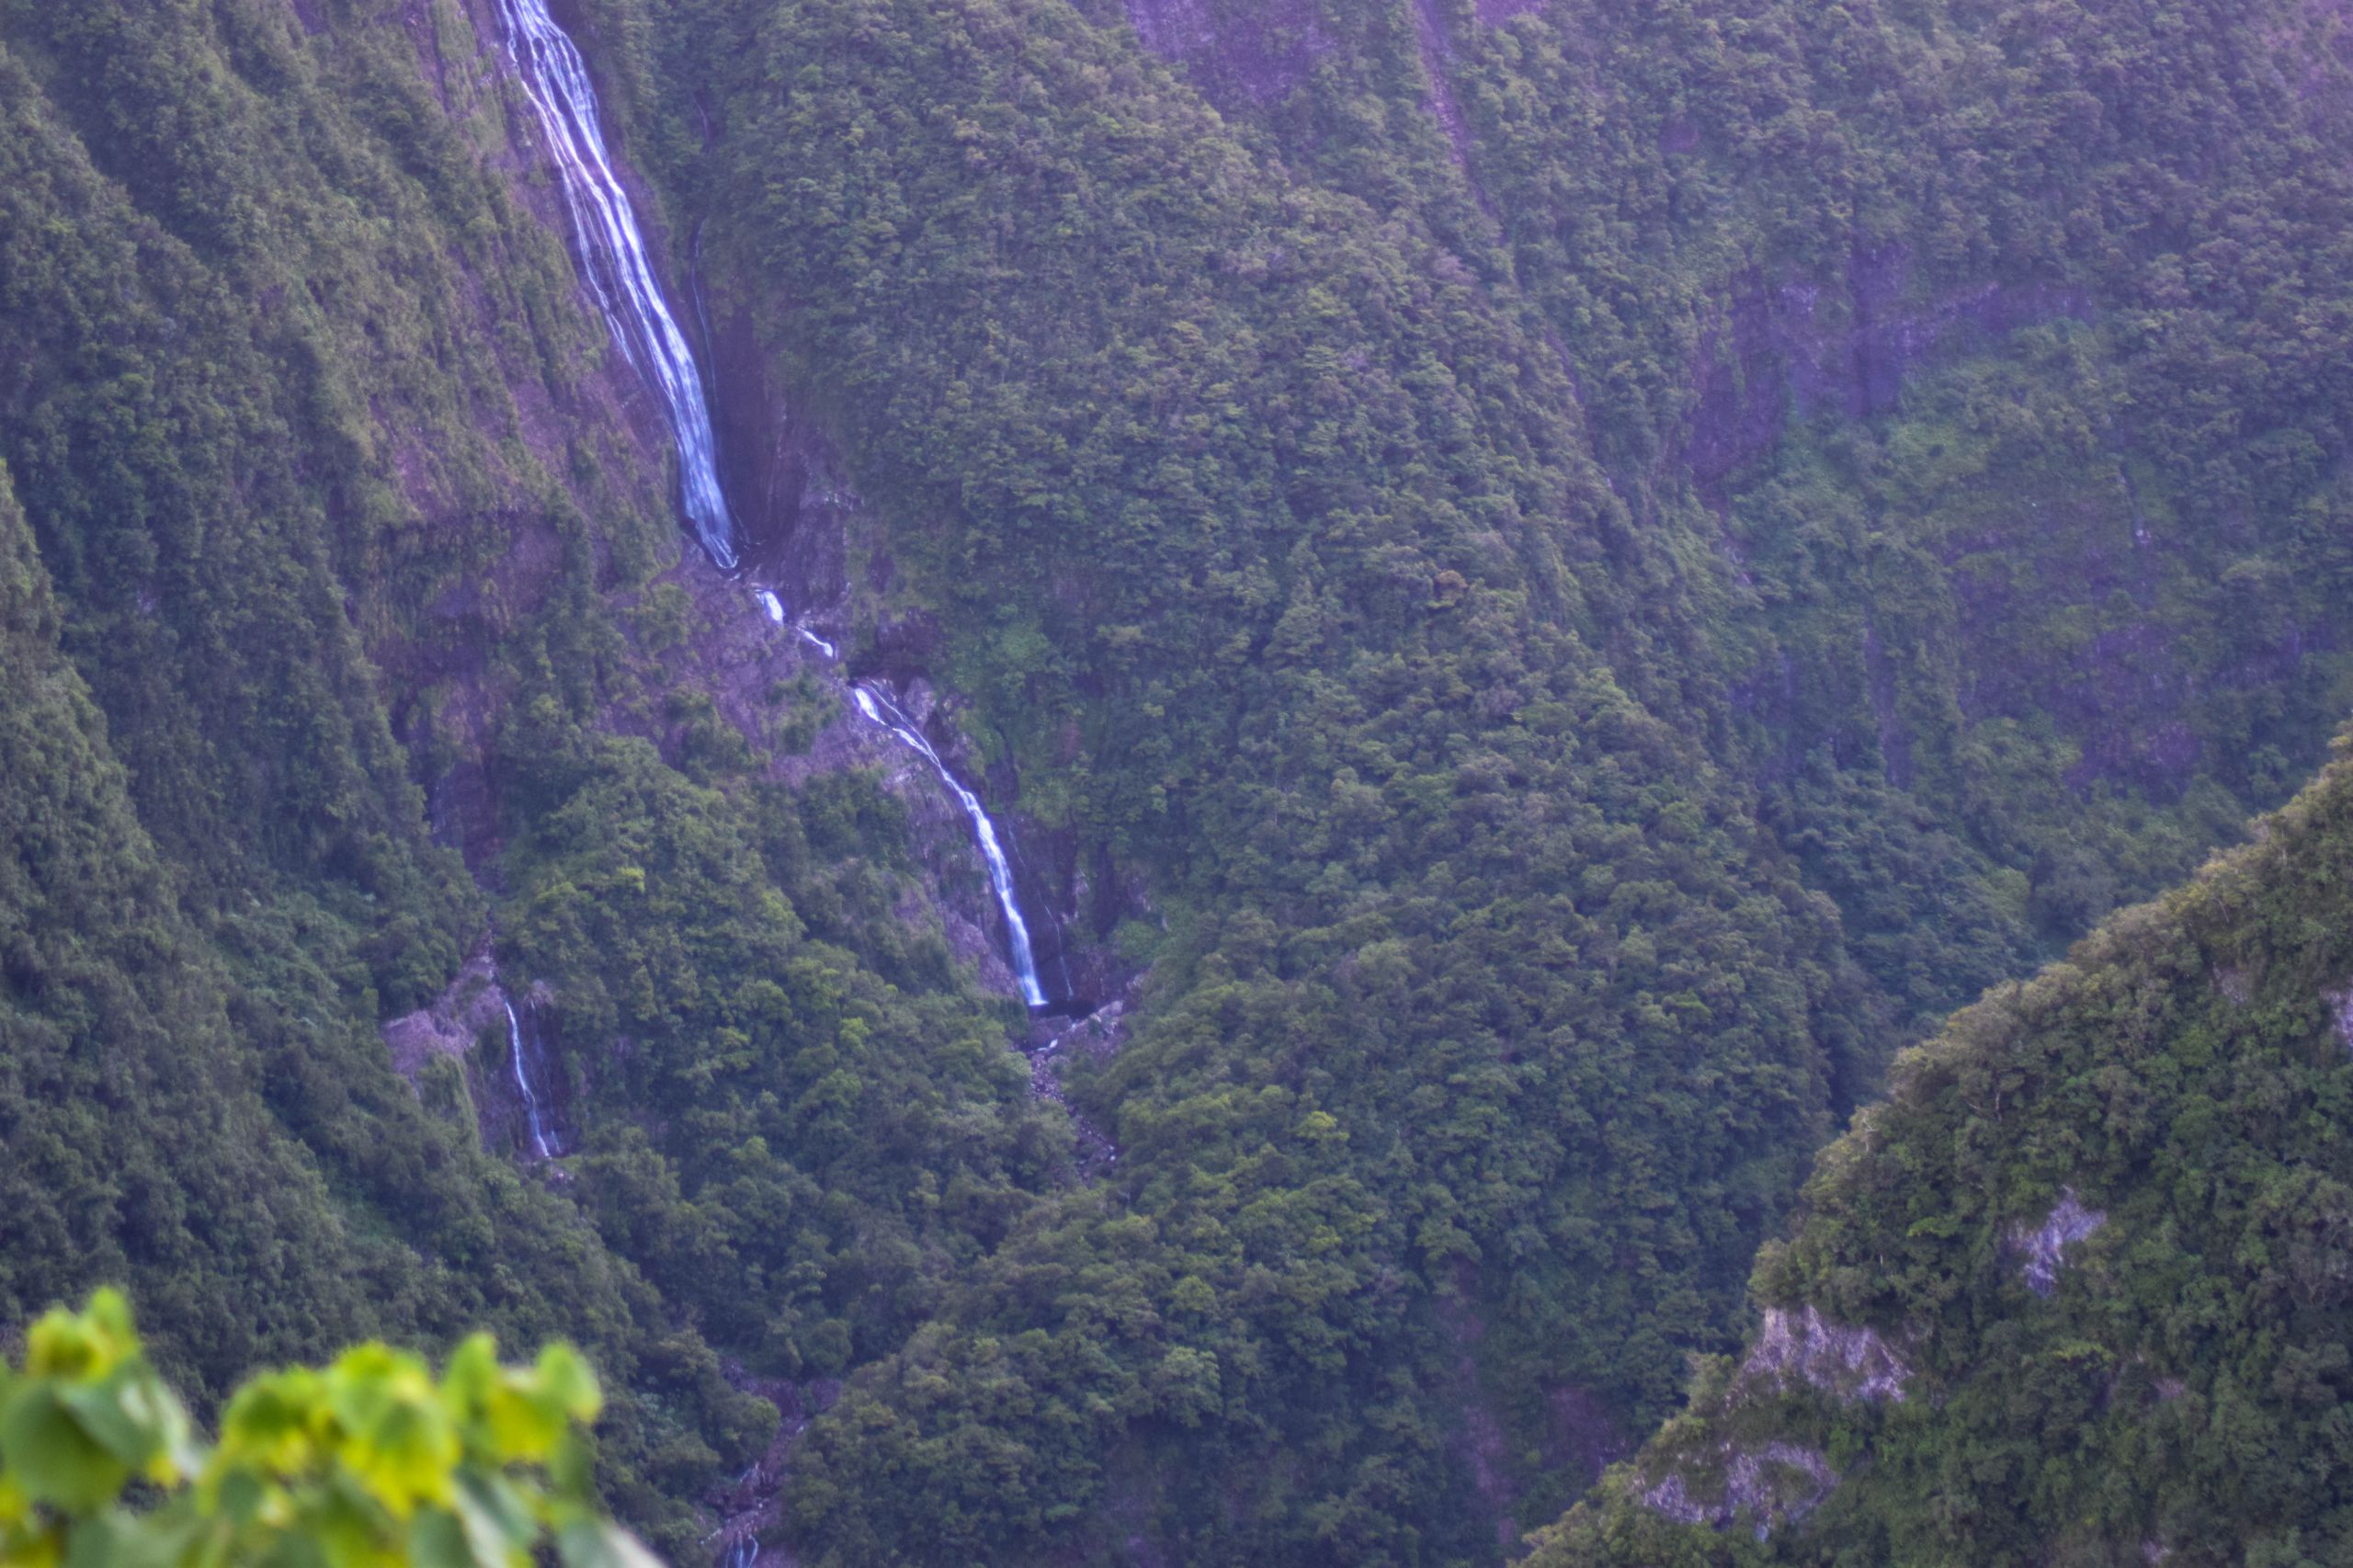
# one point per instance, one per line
(883, 711)
(533, 1121)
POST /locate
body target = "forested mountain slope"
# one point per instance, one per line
(1538, 590)
(1972, 372)
(1253, 549)
(1491, 680)
(191, 1109)
(339, 584)
(2077, 1291)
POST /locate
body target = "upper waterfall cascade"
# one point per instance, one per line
(614, 261)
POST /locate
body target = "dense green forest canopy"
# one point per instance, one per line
(2166, 1108)
(1362, 566)
(1580, 576)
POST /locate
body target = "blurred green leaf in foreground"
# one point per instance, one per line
(368, 1462)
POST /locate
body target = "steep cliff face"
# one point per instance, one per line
(1797, 349)
(1241, 55)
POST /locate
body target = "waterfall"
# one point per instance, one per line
(887, 714)
(620, 276)
(523, 1084)
(773, 607)
(613, 259)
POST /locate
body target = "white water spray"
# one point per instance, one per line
(774, 606)
(522, 1084)
(887, 714)
(614, 262)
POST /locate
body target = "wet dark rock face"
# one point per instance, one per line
(1073, 896)
(1073, 899)
(786, 483)
(1237, 54)
(1796, 348)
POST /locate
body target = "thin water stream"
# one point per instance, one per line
(541, 1143)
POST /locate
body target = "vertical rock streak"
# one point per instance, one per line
(614, 261)
(887, 714)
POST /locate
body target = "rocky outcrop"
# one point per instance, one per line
(1755, 1477)
(1096, 1038)
(1799, 1345)
(753, 1507)
(2040, 1248)
(1746, 1476)
(1775, 1484)
(449, 1025)
(472, 1008)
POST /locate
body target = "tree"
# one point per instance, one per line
(368, 1462)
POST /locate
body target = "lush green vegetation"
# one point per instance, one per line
(283, 358)
(798, 1147)
(1466, 952)
(2182, 1386)
(1972, 399)
(1491, 792)
(191, 1108)
(1578, 679)
(2050, 585)
(367, 1461)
